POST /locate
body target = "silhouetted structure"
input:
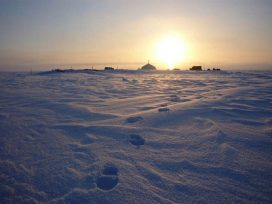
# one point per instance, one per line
(58, 70)
(148, 67)
(196, 68)
(108, 68)
(216, 69)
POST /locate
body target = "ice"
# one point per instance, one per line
(134, 137)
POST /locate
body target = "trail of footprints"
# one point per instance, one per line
(109, 176)
(108, 179)
(162, 108)
(172, 98)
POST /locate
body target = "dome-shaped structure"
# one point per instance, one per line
(148, 67)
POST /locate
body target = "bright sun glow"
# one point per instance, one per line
(170, 51)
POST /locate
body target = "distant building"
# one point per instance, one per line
(216, 69)
(148, 67)
(196, 68)
(108, 68)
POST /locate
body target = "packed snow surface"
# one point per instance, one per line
(135, 137)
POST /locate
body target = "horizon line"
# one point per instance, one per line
(120, 65)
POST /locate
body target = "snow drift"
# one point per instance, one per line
(133, 137)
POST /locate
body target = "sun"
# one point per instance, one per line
(170, 51)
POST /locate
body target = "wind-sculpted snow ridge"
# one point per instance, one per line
(132, 137)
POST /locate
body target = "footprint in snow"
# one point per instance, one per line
(109, 178)
(134, 119)
(106, 182)
(164, 110)
(136, 140)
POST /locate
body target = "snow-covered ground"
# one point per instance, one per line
(133, 137)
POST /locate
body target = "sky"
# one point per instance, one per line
(125, 33)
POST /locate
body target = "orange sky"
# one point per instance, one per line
(121, 33)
